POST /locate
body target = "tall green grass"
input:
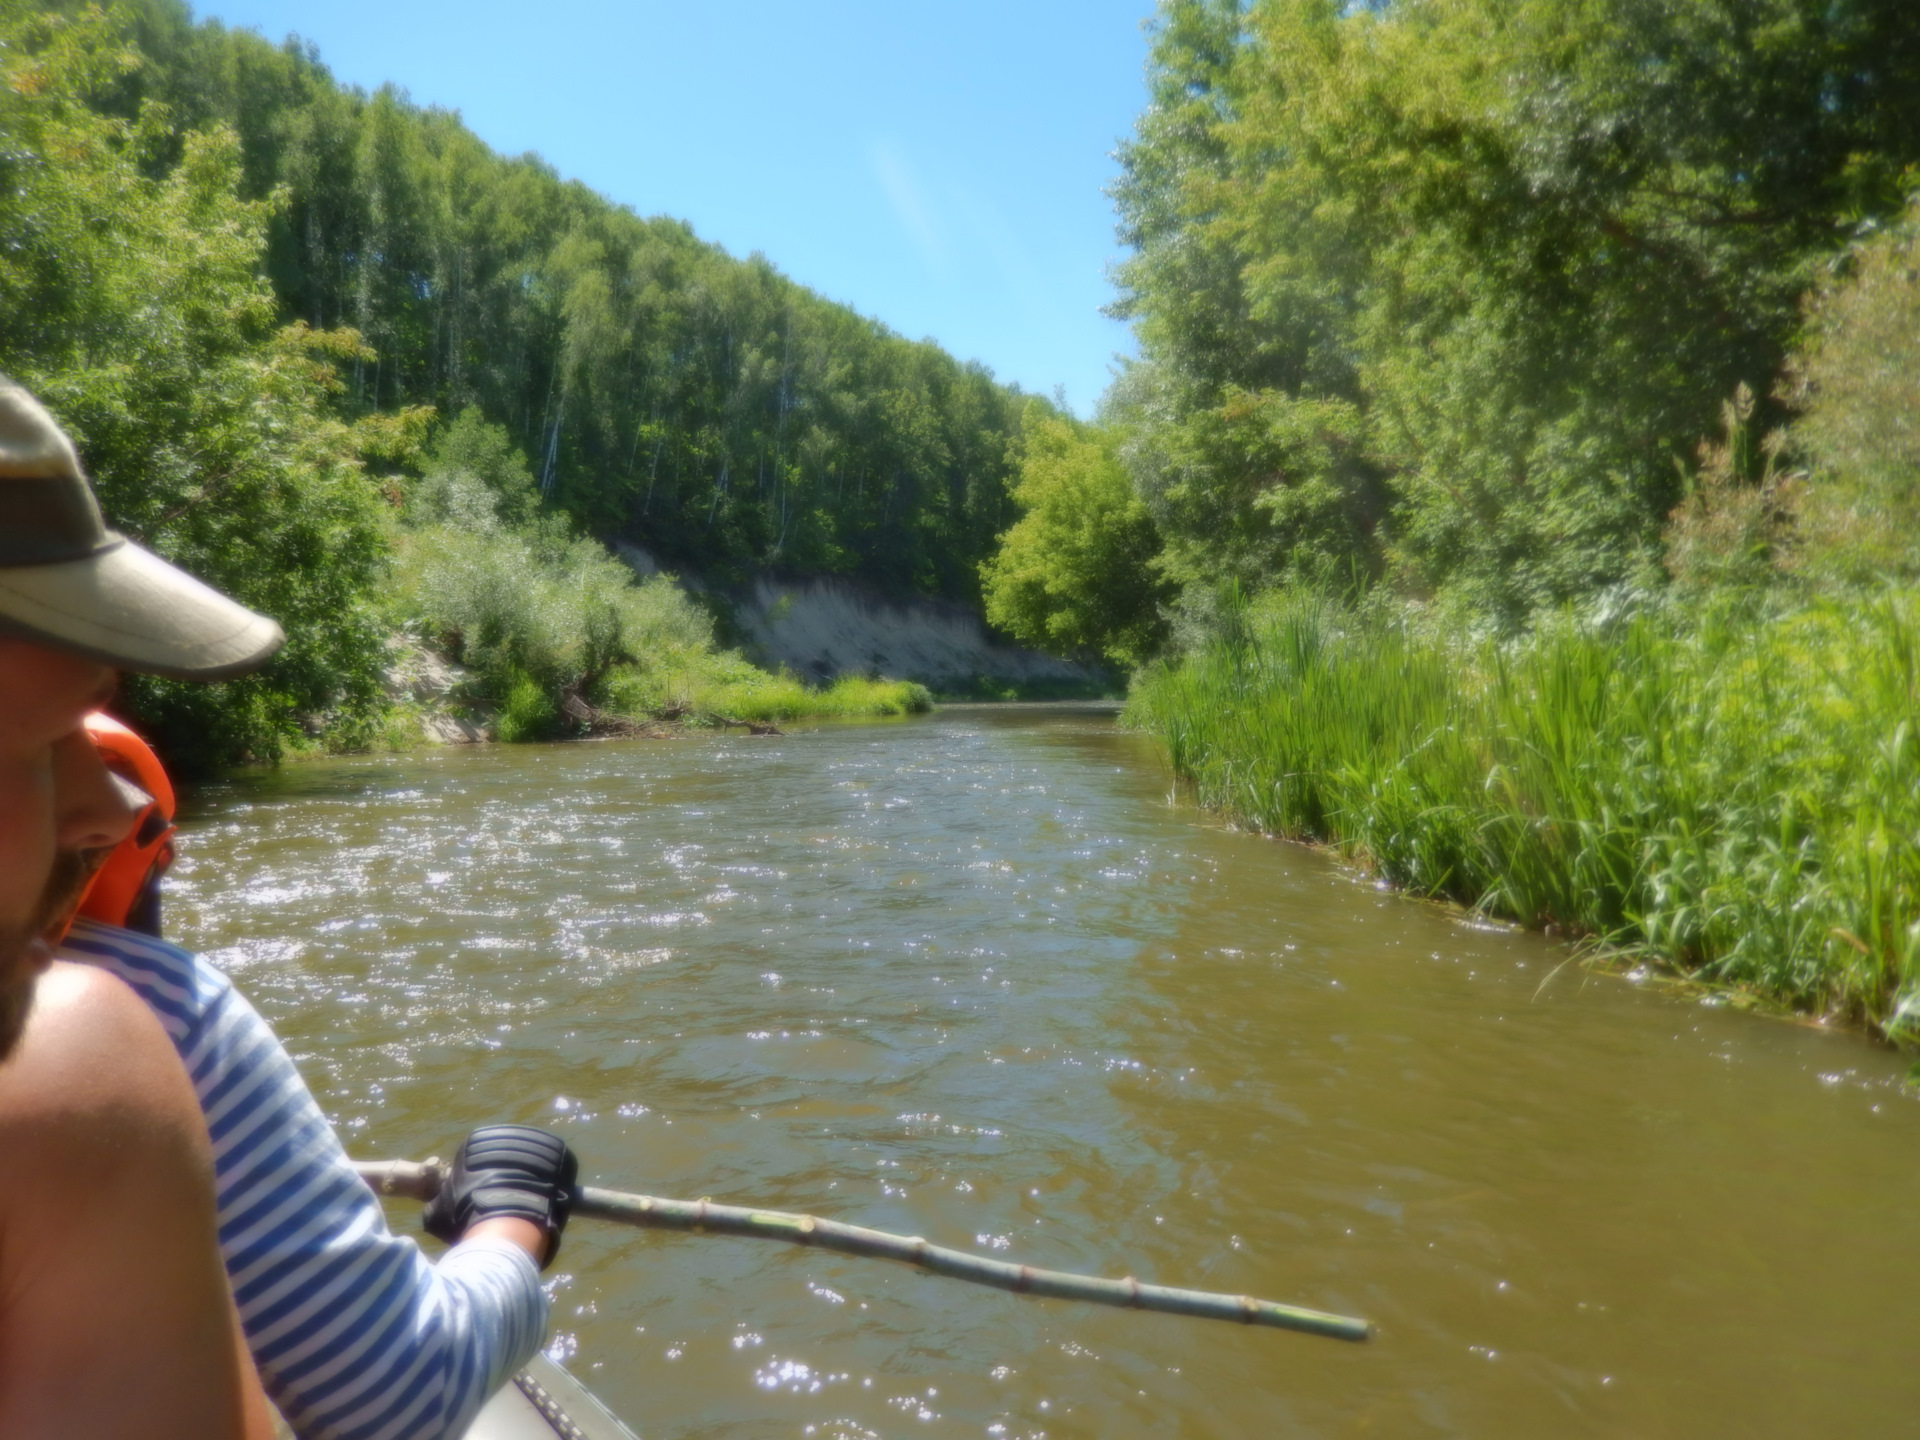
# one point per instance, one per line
(1734, 793)
(722, 686)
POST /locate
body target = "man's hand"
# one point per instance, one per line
(507, 1172)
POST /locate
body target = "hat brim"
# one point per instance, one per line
(131, 609)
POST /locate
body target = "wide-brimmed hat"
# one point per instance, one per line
(68, 582)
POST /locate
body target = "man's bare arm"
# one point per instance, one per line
(115, 1317)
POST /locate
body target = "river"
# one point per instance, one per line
(980, 977)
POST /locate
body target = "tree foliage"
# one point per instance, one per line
(1446, 288)
(1831, 501)
(130, 303)
(1074, 575)
(1857, 383)
(666, 393)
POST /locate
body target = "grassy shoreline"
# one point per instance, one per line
(724, 688)
(1732, 795)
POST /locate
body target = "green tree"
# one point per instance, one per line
(1485, 269)
(471, 450)
(131, 304)
(1076, 573)
(664, 392)
(1857, 383)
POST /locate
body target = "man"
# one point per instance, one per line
(355, 1335)
(115, 1319)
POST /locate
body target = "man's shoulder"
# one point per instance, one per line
(91, 1049)
(118, 1316)
(178, 985)
(98, 942)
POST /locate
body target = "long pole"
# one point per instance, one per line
(419, 1181)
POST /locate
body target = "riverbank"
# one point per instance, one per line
(438, 702)
(1730, 795)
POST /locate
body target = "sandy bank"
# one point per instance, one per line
(822, 627)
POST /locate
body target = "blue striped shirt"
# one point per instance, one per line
(356, 1336)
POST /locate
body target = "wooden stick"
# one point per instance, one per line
(422, 1182)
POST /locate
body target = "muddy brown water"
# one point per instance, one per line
(977, 977)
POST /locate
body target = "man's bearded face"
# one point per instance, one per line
(60, 813)
(25, 951)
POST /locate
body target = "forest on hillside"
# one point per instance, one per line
(264, 303)
(665, 392)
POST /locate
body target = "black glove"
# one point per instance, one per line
(506, 1170)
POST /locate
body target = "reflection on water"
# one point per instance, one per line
(974, 977)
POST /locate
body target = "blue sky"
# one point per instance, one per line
(939, 166)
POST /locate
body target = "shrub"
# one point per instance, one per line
(533, 610)
(529, 711)
(1858, 381)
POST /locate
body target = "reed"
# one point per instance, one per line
(1734, 793)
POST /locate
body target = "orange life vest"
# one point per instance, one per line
(123, 882)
